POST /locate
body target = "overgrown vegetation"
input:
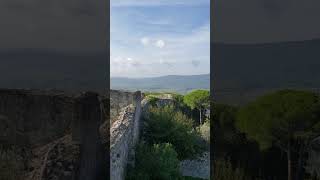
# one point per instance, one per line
(152, 100)
(204, 130)
(198, 99)
(268, 138)
(157, 161)
(166, 124)
(169, 135)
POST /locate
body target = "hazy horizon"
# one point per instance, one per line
(165, 75)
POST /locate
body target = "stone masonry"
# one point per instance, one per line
(124, 136)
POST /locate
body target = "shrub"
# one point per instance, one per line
(205, 131)
(166, 124)
(153, 100)
(155, 162)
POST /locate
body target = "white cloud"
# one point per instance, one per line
(156, 49)
(183, 54)
(195, 63)
(160, 43)
(145, 41)
(167, 63)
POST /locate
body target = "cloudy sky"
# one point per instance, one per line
(260, 21)
(73, 25)
(159, 37)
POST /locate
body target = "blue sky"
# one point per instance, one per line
(159, 37)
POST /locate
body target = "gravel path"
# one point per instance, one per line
(199, 167)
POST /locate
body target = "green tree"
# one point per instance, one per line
(166, 124)
(158, 161)
(198, 99)
(288, 119)
(226, 135)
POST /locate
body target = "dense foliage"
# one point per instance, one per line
(153, 100)
(167, 125)
(159, 161)
(280, 118)
(198, 99)
(243, 154)
(287, 119)
(268, 138)
(169, 134)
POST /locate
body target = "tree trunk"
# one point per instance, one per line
(200, 117)
(299, 174)
(289, 163)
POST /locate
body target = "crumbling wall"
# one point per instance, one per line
(119, 100)
(29, 117)
(124, 136)
(57, 123)
(57, 136)
(85, 131)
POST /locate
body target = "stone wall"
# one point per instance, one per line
(40, 119)
(119, 100)
(54, 131)
(124, 136)
(85, 131)
(33, 117)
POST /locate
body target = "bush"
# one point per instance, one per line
(153, 100)
(159, 161)
(205, 131)
(167, 125)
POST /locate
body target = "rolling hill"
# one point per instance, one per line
(47, 69)
(172, 83)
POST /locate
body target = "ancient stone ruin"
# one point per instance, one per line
(124, 132)
(55, 135)
(59, 136)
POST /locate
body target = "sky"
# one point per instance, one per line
(151, 38)
(73, 25)
(261, 21)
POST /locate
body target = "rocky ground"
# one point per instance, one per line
(199, 167)
(56, 160)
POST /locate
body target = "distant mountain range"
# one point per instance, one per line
(48, 69)
(240, 71)
(172, 83)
